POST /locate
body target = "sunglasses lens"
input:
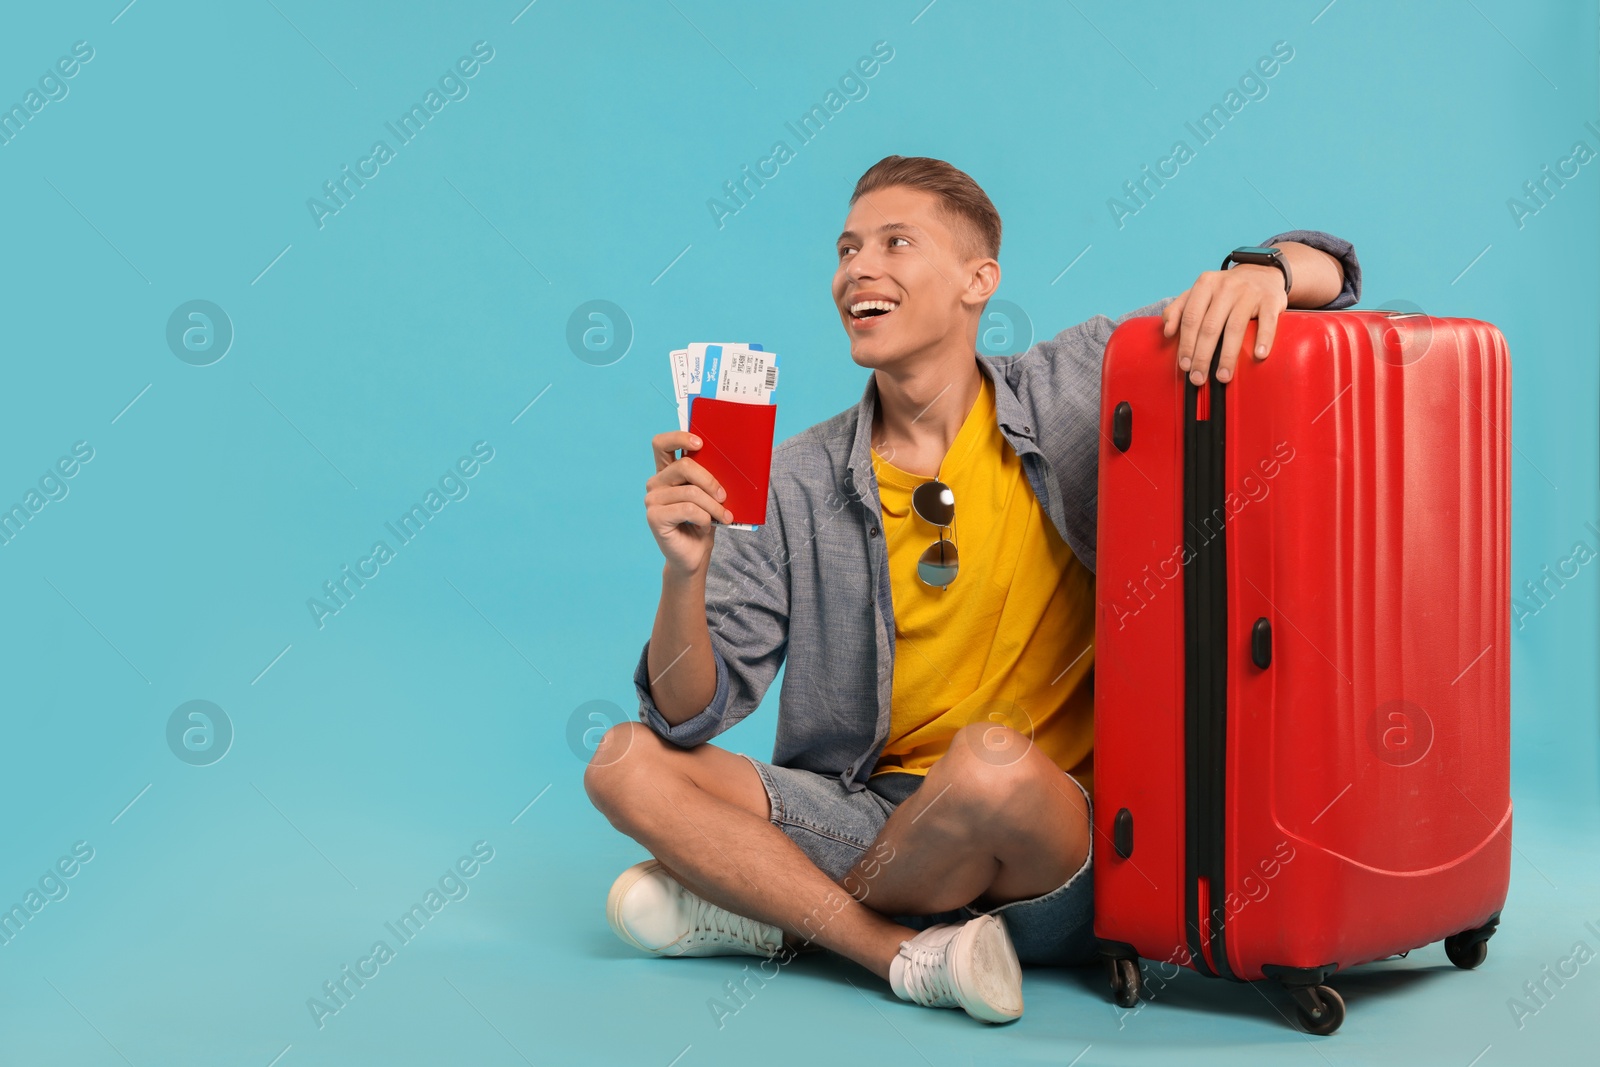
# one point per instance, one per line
(939, 563)
(934, 502)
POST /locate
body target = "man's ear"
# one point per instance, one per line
(982, 281)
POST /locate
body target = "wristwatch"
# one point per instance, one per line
(1265, 257)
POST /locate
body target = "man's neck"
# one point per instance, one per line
(921, 409)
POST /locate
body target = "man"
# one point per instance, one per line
(927, 810)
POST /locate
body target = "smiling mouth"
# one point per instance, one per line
(871, 309)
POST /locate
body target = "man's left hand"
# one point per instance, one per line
(1222, 302)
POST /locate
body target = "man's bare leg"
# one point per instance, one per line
(995, 821)
(703, 813)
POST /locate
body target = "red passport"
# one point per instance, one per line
(737, 450)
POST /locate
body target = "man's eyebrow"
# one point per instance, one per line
(851, 235)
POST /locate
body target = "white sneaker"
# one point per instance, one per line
(654, 912)
(970, 965)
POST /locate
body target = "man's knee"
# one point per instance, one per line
(994, 775)
(614, 771)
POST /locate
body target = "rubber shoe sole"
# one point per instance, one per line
(984, 970)
(619, 889)
(689, 943)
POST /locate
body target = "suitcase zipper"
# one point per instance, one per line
(1205, 626)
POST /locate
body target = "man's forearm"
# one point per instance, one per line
(683, 672)
(1318, 277)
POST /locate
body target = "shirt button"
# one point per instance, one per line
(873, 532)
(1027, 429)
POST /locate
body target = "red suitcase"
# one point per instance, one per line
(1302, 699)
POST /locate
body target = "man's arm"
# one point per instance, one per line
(1318, 277)
(1059, 379)
(682, 668)
(720, 634)
(1221, 303)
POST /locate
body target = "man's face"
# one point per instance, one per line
(900, 251)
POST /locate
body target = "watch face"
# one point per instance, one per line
(1260, 256)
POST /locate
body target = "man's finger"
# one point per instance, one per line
(1172, 313)
(1232, 340)
(1205, 342)
(1266, 330)
(686, 471)
(684, 513)
(691, 472)
(1194, 312)
(663, 446)
(689, 494)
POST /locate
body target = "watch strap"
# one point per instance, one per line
(1264, 257)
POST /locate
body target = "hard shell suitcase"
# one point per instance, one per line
(1302, 699)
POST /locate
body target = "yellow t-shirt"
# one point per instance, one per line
(1010, 641)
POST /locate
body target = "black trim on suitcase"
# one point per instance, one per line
(1205, 625)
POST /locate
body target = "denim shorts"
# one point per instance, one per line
(835, 827)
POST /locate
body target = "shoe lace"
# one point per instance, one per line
(926, 978)
(712, 919)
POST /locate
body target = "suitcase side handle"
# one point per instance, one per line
(1261, 643)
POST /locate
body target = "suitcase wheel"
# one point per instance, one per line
(1320, 1008)
(1125, 981)
(1465, 955)
(1471, 947)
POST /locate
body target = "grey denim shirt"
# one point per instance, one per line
(812, 582)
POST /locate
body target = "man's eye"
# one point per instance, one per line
(892, 240)
(843, 249)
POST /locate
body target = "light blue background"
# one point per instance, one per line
(428, 314)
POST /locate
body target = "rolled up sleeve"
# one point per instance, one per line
(702, 726)
(1340, 249)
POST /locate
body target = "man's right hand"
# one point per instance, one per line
(681, 501)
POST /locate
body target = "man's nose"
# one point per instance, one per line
(860, 266)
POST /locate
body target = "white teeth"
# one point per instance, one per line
(872, 305)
